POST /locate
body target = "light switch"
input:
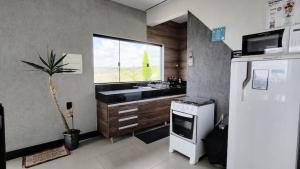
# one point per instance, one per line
(190, 59)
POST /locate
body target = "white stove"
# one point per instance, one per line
(191, 120)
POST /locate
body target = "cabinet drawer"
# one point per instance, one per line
(121, 119)
(123, 111)
(123, 125)
(127, 121)
(128, 128)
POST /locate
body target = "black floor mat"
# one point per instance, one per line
(154, 135)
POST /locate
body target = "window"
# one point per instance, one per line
(120, 60)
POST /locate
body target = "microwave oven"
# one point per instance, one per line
(274, 41)
(294, 44)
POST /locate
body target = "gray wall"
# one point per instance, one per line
(209, 76)
(27, 27)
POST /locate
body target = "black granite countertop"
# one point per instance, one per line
(133, 94)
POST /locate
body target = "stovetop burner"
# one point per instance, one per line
(195, 101)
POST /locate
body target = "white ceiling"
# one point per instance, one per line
(140, 4)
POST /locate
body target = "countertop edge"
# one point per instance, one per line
(146, 100)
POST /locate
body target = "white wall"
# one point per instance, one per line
(27, 27)
(239, 16)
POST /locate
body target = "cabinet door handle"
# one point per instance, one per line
(128, 111)
(128, 118)
(183, 114)
(129, 126)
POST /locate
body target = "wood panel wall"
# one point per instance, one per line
(183, 51)
(174, 38)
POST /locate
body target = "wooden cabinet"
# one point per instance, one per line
(118, 119)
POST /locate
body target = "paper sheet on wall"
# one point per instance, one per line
(260, 79)
(297, 12)
(294, 45)
(73, 61)
(281, 13)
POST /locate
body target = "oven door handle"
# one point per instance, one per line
(183, 114)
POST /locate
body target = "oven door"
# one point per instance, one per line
(184, 125)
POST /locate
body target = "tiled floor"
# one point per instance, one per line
(129, 153)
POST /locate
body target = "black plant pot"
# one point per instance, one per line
(72, 139)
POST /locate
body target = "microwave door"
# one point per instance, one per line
(258, 43)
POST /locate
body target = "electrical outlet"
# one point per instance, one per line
(69, 105)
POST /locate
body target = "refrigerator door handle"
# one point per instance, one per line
(247, 79)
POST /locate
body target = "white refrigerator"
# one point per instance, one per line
(264, 112)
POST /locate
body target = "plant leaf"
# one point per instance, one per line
(51, 59)
(53, 55)
(51, 67)
(60, 60)
(37, 67)
(61, 70)
(73, 70)
(48, 56)
(45, 63)
(60, 66)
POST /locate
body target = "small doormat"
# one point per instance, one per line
(45, 156)
(154, 135)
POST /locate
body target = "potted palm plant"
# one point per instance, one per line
(52, 66)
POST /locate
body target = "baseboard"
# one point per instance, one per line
(88, 135)
(37, 148)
